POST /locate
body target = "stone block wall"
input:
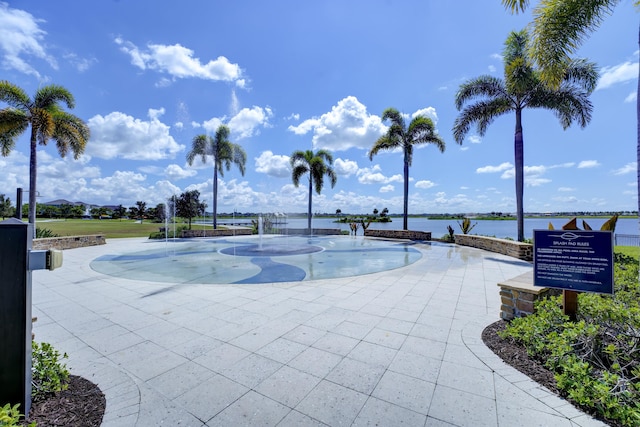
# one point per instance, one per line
(68, 242)
(305, 231)
(215, 233)
(399, 234)
(518, 296)
(523, 251)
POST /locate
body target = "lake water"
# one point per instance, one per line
(438, 227)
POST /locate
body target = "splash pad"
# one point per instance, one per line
(257, 259)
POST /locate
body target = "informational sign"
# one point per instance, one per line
(573, 259)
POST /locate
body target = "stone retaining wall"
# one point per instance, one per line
(399, 234)
(305, 231)
(215, 233)
(68, 242)
(523, 251)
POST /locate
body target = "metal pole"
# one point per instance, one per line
(18, 204)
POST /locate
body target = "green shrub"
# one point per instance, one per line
(49, 375)
(596, 359)
(466, 226)
(162, 234)
(44, 233)
(10, 416)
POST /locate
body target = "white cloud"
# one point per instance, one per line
(492, 68)
(119, 135)
(273, 165)
(175, 172)
(427, 112)
(425, 184)
(588, 164)
(475, 139)
(567, 199)
(632, 96)
(179, 62)
(347, 125)
(80, 64)
(628, 168)
(345, 167)
(452, 202)
(373, 176)
(620, 73)
(566, 189)
(20, 37)
(387, 188)
(493, 169)
(245, 124)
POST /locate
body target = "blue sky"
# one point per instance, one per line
(148, 76)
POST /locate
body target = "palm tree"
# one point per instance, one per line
(47, 120)
(224, 153)
(421, 130)
(522, 88)
(559, 28)
(317, 165)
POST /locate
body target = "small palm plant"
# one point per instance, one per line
(466, 226)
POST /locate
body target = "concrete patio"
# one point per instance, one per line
(400, 347)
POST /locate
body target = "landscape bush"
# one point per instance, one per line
(10, 416)
(48, 376)
(44, 233)
(596, 359)
(162, 234)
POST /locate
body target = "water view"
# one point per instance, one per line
(502, 229)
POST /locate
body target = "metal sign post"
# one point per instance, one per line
(17, 261)
(15, 313)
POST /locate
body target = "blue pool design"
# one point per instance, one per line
(254, 260)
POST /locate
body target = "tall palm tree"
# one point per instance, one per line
(224, 153)
(559, 28)
(47, 120)
(421, 130)
(522, 88)
(317, 165)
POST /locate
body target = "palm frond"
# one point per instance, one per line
(384, 143)
(483, 86)
(14, 96)
(482, 114)
(70, 133)
(516, 6)
(394, 116)
(581, 73)
(200, 147)
(559, 29)
(50, 95)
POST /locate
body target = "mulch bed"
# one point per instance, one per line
(81, 405)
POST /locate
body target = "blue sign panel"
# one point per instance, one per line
(573, 259)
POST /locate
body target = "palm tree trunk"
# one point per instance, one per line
(638, 135)
(310, 198)
(405, 215)
(519, 160)
(33, 167)
(215, 196)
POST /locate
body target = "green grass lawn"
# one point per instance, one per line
(110, 228)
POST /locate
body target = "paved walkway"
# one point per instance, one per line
(401, 347)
